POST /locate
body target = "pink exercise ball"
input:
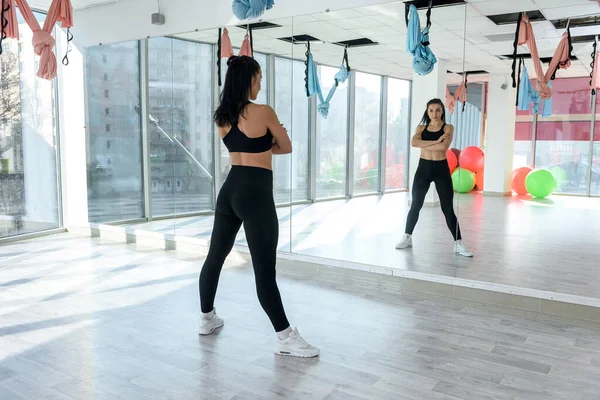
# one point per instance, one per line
(518, 180)
(452, 160)
(471, 158)
(479, 180)
(456, 153)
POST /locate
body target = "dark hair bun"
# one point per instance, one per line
(233, 60)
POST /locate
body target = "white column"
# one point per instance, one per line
(499, 137)
(73, 144)
(425, 88)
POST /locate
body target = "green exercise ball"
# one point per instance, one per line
(560, 175)
(463, 180)
(540, 183)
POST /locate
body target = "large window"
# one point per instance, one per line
(467, 122)
(563, 139)
(28, 148)
(180, 128)
(331, 141)
(396, 154)
(291, 106)
(367, 132)
(522, 156)
(115, 155)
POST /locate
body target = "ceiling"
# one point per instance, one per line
(385, 24)
(77, 4)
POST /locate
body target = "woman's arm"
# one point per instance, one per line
(444, 142)
(418, 142)
(281, 141)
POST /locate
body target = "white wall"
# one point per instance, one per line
(499, 138)
(73, 148)
(130, 19)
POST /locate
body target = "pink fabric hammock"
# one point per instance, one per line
(43, 42)
(561, 58)
(227, 49)
(459, 95)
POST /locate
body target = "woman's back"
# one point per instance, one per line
(255, 138)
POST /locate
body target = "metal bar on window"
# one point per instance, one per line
(533, 139)
(144, 109)
(350, 134)
(312, 146)
(591, 153)
(383, 133)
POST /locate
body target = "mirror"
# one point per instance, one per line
(274, 57)
(356, 207)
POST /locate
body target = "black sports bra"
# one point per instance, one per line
(428, 135)
(236, 141)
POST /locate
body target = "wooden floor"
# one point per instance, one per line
(549, 245)
(84, 320)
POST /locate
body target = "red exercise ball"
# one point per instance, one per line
(456, 153)
(518, 180)
(452, 160)
(471, 158)
(479, 180)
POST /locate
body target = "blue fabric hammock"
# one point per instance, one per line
(417, 41)
(249, 9)
(312, 81)
(527, 95)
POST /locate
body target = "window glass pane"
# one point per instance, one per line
(331, 141)
(291, 106)
(367, 132)
(563, 139)
(180, 128)
(398, 118)
(115, 170)
(28, 173)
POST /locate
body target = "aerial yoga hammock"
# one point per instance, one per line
(225, 50)
(561, 59)
(43, 42)
(417, 41)
(459, 95)
(312, 80)
(246, 9)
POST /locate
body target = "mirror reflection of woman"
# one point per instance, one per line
(252, 133)
(433, 136)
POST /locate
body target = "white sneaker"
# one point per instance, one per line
(460, 248)
(295, 346)
(405, 242)
(208, 326)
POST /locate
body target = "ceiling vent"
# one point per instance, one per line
(357, 42)
(544, 60)
(421, 4)
(300, 39)
(511, 18)
(473, 72)
(259, 25)
(593, 20)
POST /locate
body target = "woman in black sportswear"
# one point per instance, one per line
(433, 136)
(252, 133)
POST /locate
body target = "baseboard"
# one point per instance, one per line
(380, 277)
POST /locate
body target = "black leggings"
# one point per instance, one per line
(246, 197)
(439, 173)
